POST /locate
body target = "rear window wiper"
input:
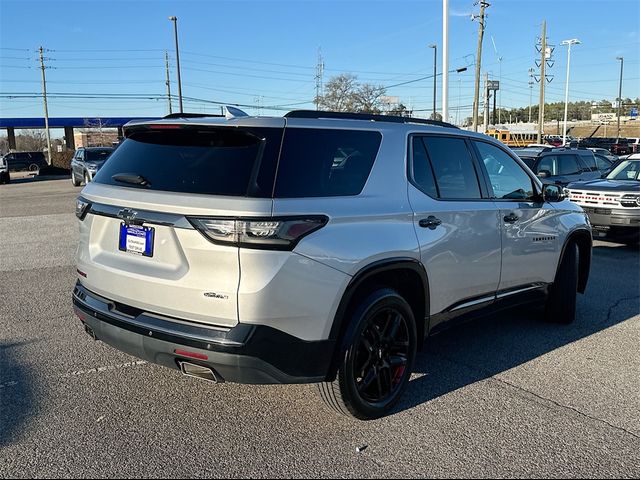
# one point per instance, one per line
(131, 178)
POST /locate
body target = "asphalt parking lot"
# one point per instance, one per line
(509, 396)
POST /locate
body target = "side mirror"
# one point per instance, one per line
(544, 174)
(553, 193)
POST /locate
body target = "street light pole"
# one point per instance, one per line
(435, 75)
(445, 60)
(573, 41)
(175, 32)
(620, 93)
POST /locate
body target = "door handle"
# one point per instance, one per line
(511, 218)
(430, 222)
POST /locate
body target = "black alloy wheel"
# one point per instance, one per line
(379, 351)
(381, 356)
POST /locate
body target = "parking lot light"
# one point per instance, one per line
(573, 41)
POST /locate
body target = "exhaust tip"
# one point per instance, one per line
(198, 371)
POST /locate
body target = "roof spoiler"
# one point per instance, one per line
(190, 115)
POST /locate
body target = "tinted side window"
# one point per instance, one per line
(548, 163)
(324, 163)
(568, 165)
(453, 168)
(508, 179)
(603, 163)
(589, 160)
(422, 172)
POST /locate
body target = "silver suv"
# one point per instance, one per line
(318, 247)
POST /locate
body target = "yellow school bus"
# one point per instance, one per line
(513, 139)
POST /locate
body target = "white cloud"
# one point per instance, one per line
(459, 13)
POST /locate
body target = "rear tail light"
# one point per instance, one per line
(82, 207)
(267, 233)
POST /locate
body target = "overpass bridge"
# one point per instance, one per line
(68, 123)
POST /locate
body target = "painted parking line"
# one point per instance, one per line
(91, 371)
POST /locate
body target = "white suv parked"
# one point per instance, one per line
(319, 247)
(5, 176)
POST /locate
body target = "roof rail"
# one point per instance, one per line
(191, 115)
(364, 116)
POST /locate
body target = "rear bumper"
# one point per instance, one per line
(252, 354)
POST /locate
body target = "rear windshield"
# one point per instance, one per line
(98, 155)
(214, 161)
(244, 161)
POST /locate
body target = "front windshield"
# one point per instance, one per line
(627, 170)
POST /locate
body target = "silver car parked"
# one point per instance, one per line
(318, 247)
(86, 162)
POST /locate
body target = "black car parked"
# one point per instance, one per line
(564, 165)
(32, 161)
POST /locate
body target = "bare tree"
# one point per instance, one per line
(368, 98)
(400, 110)
(345, 94)
(96, 130)
(4, 145)
(31, 140)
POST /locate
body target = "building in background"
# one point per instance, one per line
(95, 138)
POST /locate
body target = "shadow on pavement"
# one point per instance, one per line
(477, 350)
(17, 394)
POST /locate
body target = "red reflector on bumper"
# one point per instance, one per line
(79, 314)
(197, 356)
(164, 126)
(82, 274)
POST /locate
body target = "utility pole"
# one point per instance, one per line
(435, 62)
(543, 61)
(619, 93)
(530, 91)
(486, 102)
(167, 81)
(46, 110)
(476, 95)
(175, 32)
(445, 60)
(319, 79)
(495, 119)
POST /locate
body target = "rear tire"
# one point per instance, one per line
(33, 167)
(376, 367)
(86, 178)
(561, 304)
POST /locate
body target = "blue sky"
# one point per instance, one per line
(264, 52)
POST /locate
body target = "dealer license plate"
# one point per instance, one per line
(136, 239)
